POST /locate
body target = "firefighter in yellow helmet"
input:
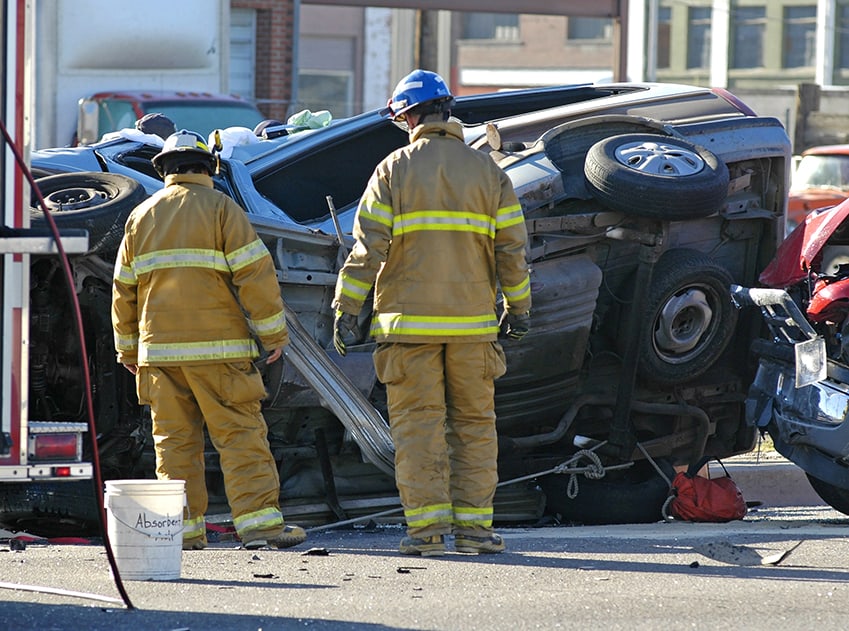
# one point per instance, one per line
(192, 284)
(437, 229)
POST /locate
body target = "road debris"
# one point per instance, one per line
(407, 569)
(316, 552)
(725, 552)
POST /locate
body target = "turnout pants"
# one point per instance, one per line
(226, 398)
(442, 421)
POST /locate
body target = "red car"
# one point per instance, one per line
(821, 179)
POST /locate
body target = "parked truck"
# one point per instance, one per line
(98, 65)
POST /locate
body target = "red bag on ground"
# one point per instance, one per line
(694, 498)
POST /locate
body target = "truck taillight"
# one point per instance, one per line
(55, 447)
(55, 441)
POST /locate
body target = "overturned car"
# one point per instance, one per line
(644, 203)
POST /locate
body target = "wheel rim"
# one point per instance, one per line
(682, 324)
(659, 158)
(75, 199)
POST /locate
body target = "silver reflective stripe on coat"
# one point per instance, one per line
(169, 259)
(216, 350)
(400, 324)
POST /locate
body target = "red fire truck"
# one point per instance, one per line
(31, 447)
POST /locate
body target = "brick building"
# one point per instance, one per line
(271, 24)
(348, 58)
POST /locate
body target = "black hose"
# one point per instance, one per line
(95, 457)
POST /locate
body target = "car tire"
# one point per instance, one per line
(50, 509)
(97, 202)
(834, 496)
(38, 172)
(689, 318)
(656, 176)
(630, 496)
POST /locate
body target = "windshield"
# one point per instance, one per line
(204, 117)
(822, 171)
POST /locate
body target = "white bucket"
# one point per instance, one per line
(145, 527)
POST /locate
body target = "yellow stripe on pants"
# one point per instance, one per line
(442, 419)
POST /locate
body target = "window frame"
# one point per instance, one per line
(742, 31)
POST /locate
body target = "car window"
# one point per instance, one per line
(114, 115)
(300, 188)
(203, 117)
(139, 158)
(821, 171)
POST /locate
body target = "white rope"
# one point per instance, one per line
(593, 471)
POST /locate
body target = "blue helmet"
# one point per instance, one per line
(417, 88)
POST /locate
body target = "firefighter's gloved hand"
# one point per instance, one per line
(514, 325)
(346, 330)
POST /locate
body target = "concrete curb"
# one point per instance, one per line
(771, 480)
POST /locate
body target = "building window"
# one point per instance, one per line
(590, 28)
(242, 52)
(497, 26)
(698, 37)
(664, 28)
(800, 25)
(843, 36)
(748, 25)
(326, 90)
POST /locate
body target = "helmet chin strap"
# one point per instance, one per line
(217, 148)
(428, 112)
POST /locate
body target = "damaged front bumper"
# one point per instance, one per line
(798, 396)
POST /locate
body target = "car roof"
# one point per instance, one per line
(516, 106)
(360, 142)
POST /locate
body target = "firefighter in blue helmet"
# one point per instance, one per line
(437, 230)
(192, 284)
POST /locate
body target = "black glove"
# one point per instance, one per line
(346, 330)
(514, 325)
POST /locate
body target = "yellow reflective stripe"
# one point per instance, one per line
(126, 342)
(194, 527)
(246, 255)
(258, 520)
(168, 259)
(353, 288)
(470, 516)
(269, 326)
(427, 515)
(514, 293)
(400, 324)
(381, 213)
(454, 221)
(197, 351)
(509, 216)
(125, 274)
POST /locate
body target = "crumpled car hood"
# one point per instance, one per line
(798, 253)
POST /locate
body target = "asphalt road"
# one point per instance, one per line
(782, 566)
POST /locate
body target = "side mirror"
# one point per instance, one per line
(87, 121)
